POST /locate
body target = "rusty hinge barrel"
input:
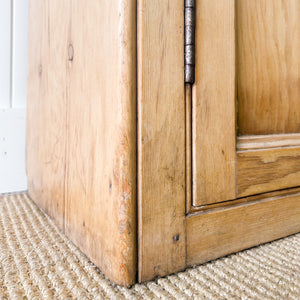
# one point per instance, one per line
(189, 41)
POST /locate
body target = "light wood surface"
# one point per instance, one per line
(82, 126)
(251, 142)
(161, 138)
(226, 230)
(46, 105)
(214, 149)
(96, 150)
(101, 196)
(261, 171)
(268, 47)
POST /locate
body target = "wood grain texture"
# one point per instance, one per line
(226, 230)
(268, 66)
(261, 171)
(214, 114)
(85, 121)
(251, 142)
(161, 138)
(46, 105)
(101, 196)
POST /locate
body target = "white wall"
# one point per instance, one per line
(13, 82)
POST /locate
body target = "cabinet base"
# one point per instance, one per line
(224, 230)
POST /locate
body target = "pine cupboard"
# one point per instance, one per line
(164, 133)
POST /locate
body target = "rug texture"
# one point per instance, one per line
(38, 262)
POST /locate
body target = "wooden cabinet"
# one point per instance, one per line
(148, 174)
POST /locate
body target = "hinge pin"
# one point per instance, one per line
(189, 41)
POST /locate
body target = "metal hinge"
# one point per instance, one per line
(189, 41)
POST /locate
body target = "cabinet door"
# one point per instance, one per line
(245, 99)
(202, 130)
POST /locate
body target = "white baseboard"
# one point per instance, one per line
(12, 150)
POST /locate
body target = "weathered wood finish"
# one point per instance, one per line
(214, 149)
(222, 231)
(265, 170)
(101, 196)
(161, 137)
(81, 146)
(82, 143)
(46, 105)
(268, 48)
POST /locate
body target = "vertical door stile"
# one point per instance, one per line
(214, 104)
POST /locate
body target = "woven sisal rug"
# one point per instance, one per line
(38, 262)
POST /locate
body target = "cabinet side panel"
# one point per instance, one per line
(214, 97)
(46, 108)
(81, 138)
(161, 137)
(101, 155)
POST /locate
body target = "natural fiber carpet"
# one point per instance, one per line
(38, 262)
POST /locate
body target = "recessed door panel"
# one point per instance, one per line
(268, 66)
